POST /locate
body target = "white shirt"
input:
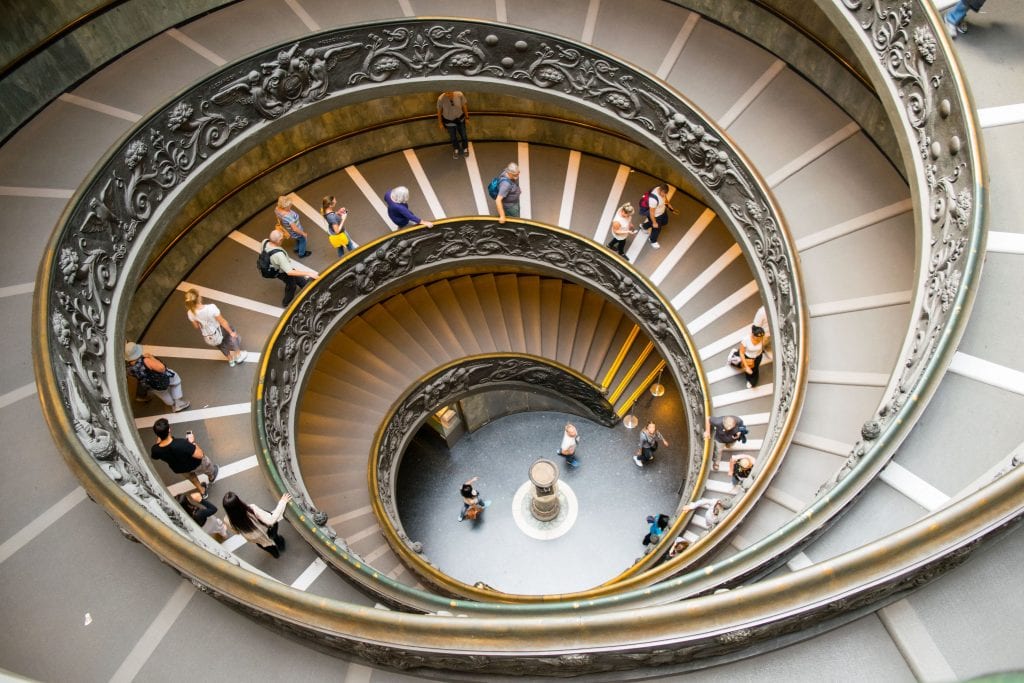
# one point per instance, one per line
(206, 316)
(569, 443)
(752, 348)
(761, 320)
(656, 202)
(621, 226)
(709, 514)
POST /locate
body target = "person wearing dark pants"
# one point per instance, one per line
(255, 524)
(649, 439)
(183, 456)
(656, 213)
(452, 114)
(294, 276)
(751, 353)
(622, 228)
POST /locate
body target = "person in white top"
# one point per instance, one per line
(255, 524)
(751, 352)
(622, 228)
(713, 510)
(216, 330)
(761, 320)
(657, 213)
(570, 439)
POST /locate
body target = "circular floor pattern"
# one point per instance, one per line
(545, 531)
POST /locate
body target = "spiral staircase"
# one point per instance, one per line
(838, 183)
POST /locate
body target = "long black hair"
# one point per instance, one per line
(238, 513)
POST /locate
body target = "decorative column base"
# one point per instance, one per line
(544, 505)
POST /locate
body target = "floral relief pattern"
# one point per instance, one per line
(907, 50)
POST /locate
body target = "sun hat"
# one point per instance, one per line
(132, 351)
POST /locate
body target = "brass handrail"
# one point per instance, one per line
(332, 300)
(94, 434)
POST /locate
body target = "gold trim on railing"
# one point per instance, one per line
(638, 392)
(391, 533)
(620, 358)
(431, 573)
(631, 373)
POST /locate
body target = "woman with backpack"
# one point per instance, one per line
(151, 372)
(216, 330)
(505, 192)
(654, 207)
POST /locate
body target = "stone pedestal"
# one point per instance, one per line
(544, 504)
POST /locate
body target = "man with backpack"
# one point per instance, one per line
(505, 192)
(151, 373)
(654, 207)
(273, 262)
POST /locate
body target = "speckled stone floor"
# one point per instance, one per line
(614, 497)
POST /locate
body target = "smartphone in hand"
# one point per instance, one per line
(190, 437)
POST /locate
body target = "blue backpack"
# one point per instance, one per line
(492, 187)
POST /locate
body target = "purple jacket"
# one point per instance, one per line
(400, 213)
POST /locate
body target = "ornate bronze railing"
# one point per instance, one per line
(395, 262)
(86, 280)
(118, 216)
(908, 57)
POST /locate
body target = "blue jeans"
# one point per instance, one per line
(300, 244)
(957, 14)
(456, 130)
(348, 247)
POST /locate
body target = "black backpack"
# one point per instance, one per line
(267, 269)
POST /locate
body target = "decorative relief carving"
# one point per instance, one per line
(574, 72)
(98, 241)
(907, 51)
(166, 149)
(329, 302)
(425, 50)
(292, 79)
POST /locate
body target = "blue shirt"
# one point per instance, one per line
(289, 220)
(333, 221)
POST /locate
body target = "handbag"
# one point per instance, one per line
(215, 337)
(338, 239)
(734, 358)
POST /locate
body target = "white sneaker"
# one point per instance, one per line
(655, 245)
(951, 28)
(636, 460)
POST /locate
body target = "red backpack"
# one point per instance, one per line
(645, 203)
